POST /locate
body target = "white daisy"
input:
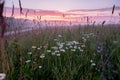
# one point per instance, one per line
(42, 56)
(34, 47)
(59, 35)
(62, 50)
(40, 67)
(73, 50)
(49, 51)
(38, 48)
(2, 76)
(30, 53)
(91, 61)
(57, 54)
(28, 61)
(93, 64)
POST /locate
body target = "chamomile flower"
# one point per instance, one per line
(2, 76)
(34, 47)
(29, 53)
(40, 67)
(91, 61)
(38, 48)
(55, 48)
(83, 46)
(115, 42)
(28, 61)
(93, 64)
(42, 56)
(66, 48)
(57, 51)
(55, 39)
(53, 53)
(59, 35)
(75, 47)
(62, 50)
(73, 50)
(81, 50)
(57, 54)
(49, 51)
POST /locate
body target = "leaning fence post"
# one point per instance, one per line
(2, 47)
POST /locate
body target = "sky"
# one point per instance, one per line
(63, 4)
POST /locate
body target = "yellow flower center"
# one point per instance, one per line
(0, 76)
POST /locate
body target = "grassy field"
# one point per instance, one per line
(64, 53)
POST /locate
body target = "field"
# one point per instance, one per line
(88, 52)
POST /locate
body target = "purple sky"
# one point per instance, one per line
(64, 4)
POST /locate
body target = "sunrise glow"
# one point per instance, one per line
(62, 10)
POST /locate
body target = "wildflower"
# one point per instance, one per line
(75, 47)
(38, 48)
(70, 46)
(59, 35)
(34, 47)
(28, 61)
(93, 64)
(40, 67)
(2, 76)
(83, 45)
(53, 53)
(66, 48)
(91, 61)
(73, 50)
(115, 42)
(55, 48)
(42, 56)
(62, 50)
(57, 54)
(60, 46)
(87, 36)
(30, 53)
(57, 51)
(81, 50)
(91, 34)
(48, 51)
(84, 40)
(99, 49)
(75, 42)
(55, 39)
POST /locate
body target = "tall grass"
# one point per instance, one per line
(65, 53)
(89, 52)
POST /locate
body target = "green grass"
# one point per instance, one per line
(67, 53)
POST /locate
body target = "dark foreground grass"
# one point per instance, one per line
(65, 53)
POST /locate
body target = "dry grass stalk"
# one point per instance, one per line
(27, 13)
(12, 10)
(103, 23)
(87, 19)
(20, 7)
(113, 9)
(63, 15)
